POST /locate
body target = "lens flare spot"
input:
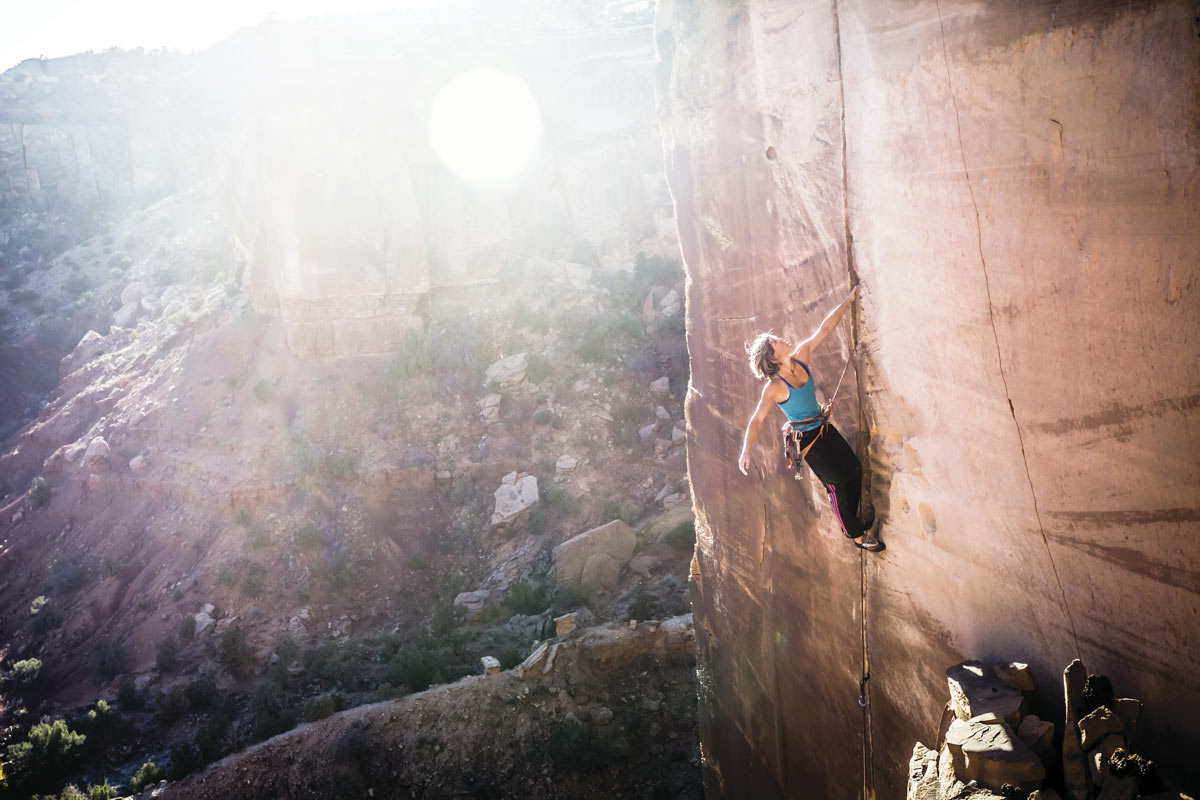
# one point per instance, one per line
(485, 125)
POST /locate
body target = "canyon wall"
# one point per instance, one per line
(1015, 186)
(316, 132)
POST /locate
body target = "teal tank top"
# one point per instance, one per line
(802, 403)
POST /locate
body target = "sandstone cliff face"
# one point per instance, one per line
(1016, 190)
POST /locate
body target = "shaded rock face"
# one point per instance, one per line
(1015, 189)
(317, 131)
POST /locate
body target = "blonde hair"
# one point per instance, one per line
(762, 361)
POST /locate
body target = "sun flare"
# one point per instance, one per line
(485, 125)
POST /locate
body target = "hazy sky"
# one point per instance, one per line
(55, 28)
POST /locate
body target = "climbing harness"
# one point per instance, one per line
(793, 431)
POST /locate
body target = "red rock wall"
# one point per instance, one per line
(1015, 185)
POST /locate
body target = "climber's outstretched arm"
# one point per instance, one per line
(768, 396)
(804, 350)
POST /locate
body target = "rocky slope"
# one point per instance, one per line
(219, 535)
(1015, 188)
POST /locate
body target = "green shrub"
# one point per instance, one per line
(332, 665)
(543, 416)
(555, 497)
(110, 567)
(462, 491)
(538, 519)
(76, 285)
(318, 708)
(627, 419)
(252, 583)
(657, 270)
(416, 667)
(538, 368)
(172, 705)
(101, 791)
(186, 758)
(227, 573)
(511, 658)
(187, 627)
(242, 517)
(50, 750)
(584, 252)
(572, 746)
(45, 619)
(65, 575)
(233, 651)
(385, 691)
(27, 672)
(201, 693)
(527, 597)
(682, 535)
(102, 718)
(644, 606)
(341, 465)
(128, 697)
(307, 536)
(271, 714)
(147, 775)
(628, 510)
(39, 494)
(166, 653)
(263, 391)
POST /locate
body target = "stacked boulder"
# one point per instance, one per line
(989, 746)
(987, 741)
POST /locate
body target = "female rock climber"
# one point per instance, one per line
(815, 439)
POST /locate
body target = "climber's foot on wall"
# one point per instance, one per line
(869, 542)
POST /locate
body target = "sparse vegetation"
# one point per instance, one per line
(166, 654)
(201, 693)
(527, 597)
(307, 536)
(682, 535)
(39, 494)
(628, 510)
(109, 659)
(319, 708)
(263, 391)
(234, 652)
(27, 672)
(147, 774)
(65, 576)
(50, 750)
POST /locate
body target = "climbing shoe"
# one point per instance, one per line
(870, 543)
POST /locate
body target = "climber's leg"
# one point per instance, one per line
(837, 467)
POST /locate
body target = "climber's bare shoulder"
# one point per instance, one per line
(775, 391)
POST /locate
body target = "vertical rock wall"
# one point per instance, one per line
(1015, 185)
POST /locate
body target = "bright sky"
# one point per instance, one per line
(53, 28)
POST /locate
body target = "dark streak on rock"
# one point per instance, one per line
(1131, 516)
(1116, 414)
(1136, 561)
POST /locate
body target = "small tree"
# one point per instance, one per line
(147, 774)
(50, 750)
(27, 672)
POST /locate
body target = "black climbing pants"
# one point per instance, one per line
(834, 463)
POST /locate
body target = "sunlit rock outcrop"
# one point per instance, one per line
(1015, 189)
